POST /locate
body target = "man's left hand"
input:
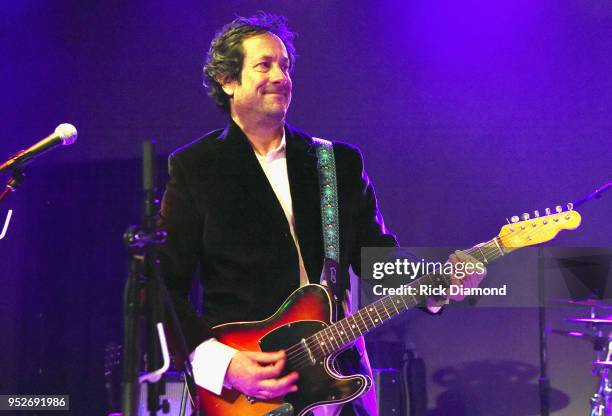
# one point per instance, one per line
(470, 280)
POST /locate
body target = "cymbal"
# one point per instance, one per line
(595, 321)
(591, 303)
(600, 342)
(574, 334)
(607, 364)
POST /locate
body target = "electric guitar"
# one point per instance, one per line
(303, 327)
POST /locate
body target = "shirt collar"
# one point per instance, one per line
(274, 154)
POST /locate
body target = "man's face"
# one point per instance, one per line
(264, 91)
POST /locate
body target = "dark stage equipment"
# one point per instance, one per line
(145, 301)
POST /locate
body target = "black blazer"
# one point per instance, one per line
(222, 216)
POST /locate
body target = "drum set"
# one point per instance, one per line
(599, 333)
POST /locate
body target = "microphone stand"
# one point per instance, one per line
(595, 194)
(543, 380)
(145, 301)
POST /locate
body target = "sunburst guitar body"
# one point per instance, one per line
(303, 327)
(303, 315)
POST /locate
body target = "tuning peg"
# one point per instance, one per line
(515, 218)
(536, 213)
(525, 216)
(558, 208)
(570, 206)
(547, 211)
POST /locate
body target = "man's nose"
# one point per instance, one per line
(277, 74)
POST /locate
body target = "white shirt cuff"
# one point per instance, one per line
(435, 305)
(209, 362)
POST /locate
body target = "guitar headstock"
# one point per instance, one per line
(526, 231)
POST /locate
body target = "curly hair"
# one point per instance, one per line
(225, 56)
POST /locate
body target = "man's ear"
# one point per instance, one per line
(228, 87)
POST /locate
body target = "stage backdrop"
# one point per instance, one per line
(466, 112)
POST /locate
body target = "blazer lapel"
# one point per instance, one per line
(238, 161)
(304, 184)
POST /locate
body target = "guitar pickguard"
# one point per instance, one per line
(318, 383)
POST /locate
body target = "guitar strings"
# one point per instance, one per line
(300, 357)
(290, 350)
(299, 361)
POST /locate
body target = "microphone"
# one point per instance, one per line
(65, 134)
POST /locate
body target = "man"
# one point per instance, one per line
(243, 203)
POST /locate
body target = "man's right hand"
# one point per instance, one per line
(256, 374)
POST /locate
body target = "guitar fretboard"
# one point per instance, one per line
(347, 330)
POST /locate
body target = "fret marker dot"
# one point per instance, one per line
(376, 320)
(352, 326)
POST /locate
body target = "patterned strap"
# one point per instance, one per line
(328, 189)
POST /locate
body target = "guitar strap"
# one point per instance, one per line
(328, 191)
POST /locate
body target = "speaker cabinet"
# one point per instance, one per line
(174, 390)
(388, 383)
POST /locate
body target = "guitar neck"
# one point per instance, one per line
(347, 330)
(512, 236)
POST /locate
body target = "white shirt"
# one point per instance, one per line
(210, 373)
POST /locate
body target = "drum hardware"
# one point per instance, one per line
(589, 303)
(592, 321)
(601, 401)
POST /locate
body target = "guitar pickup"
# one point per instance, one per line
(310, 356)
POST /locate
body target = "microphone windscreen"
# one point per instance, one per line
(67, 133)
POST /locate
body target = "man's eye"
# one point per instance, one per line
(264, 65)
